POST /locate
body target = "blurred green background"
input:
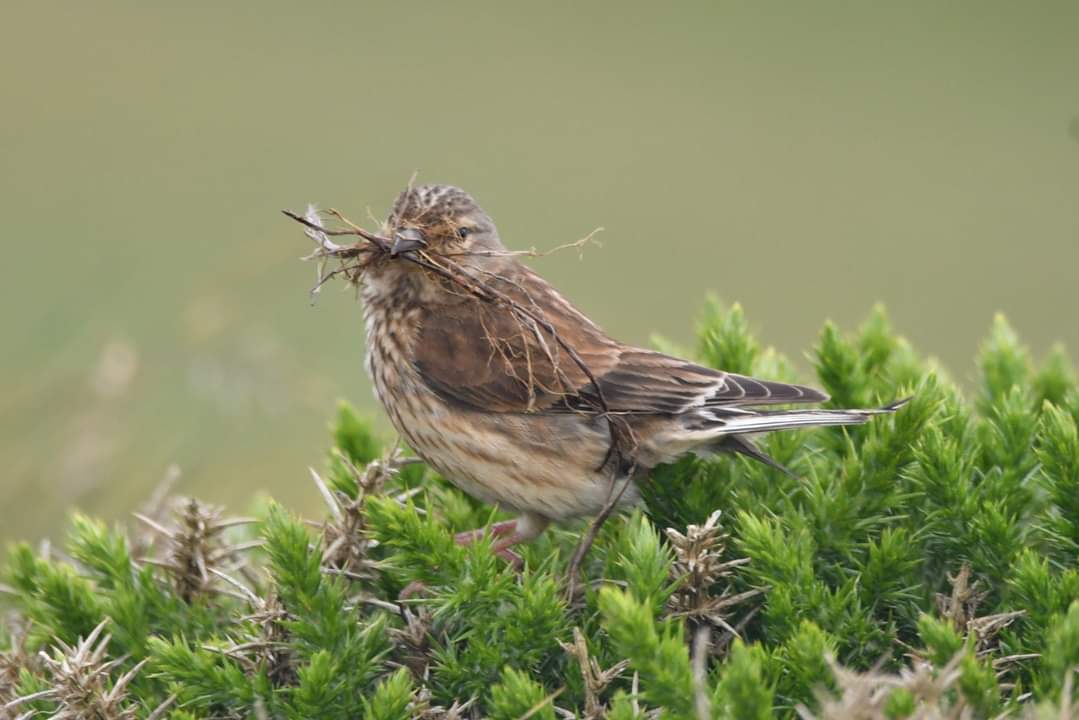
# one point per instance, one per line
(805, 159)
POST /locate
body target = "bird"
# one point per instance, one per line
(512, 394)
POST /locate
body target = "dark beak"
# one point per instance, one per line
(407, 240)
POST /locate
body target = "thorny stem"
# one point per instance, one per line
(701, 702)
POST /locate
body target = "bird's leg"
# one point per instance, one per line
(509, 533)
(497, 530)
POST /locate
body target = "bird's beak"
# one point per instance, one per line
(406, 241)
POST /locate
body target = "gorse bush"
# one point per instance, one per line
(923, 565)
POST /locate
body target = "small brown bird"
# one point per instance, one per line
(516, 397)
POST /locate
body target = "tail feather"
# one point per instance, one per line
(744, 446)
(730, 429)
(788, 419)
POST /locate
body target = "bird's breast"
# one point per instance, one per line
(530, 462)
(391, 333)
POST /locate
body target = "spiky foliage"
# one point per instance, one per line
(922, 566)
(195, 546)
(703, 594)
(80, 683)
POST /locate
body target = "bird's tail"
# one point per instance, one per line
(756, 422)
(734, 429)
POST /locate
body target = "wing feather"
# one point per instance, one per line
(484, 357)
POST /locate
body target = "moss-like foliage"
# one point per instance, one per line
(923, 565)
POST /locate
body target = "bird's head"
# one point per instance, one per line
(441, 220)
(433, 225)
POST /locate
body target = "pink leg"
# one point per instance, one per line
(509, 533)
(498, 530)
(502, 550)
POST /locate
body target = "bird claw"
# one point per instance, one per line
(498, 530)
(508, 555)
(505, 531)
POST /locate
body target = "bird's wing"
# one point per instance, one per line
(648, 381)
(483, 356)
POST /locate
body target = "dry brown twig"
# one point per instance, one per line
(937, 694)
(596, 679)
(864, 696)
(960, 609)
(413, 641)
(345, 531)
(699, 567)
(352, 259)
(81, 684)
(265, 635)
(702, 702)
(13, 661)
(155, 508)
(422, 707)
(961, 606)
(196, 546)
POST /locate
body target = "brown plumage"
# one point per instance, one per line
(502, 402)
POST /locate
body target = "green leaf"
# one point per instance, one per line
(741, 692)
(940, 640)
(354, 437)
(841, 369)
(392, 698)
(1055, 379)
(643, 561)
(1057, 449)
(725, 340)
(1062, 652)
(658, 653)
(1004, 363)
(517, 695)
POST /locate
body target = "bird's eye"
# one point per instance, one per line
(463, 232)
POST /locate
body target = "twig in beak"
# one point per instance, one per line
(343, 250)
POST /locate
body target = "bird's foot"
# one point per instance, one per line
(411, 590)
(508, 533)
(507, 537)
(498, 530)
(502, 550)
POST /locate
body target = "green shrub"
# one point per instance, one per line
(925, 563)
